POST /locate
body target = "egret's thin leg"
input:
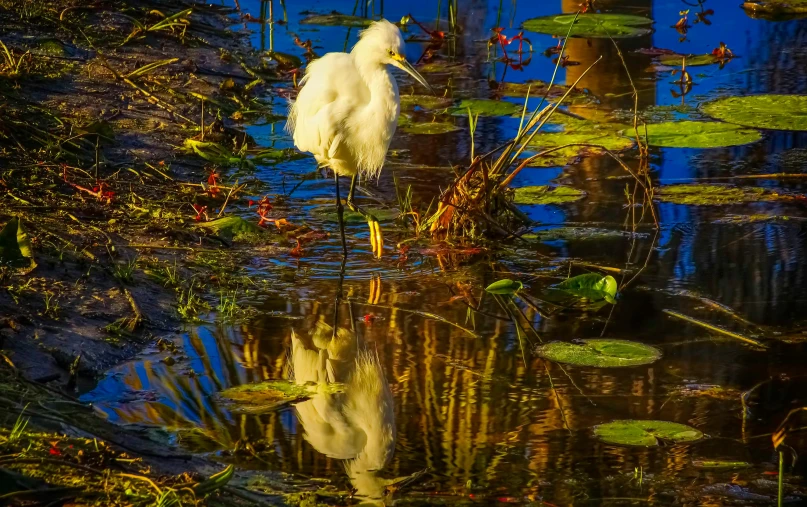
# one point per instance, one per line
(340, 213)
(376, 238)
(339, 297)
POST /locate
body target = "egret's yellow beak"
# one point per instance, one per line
(400, 62)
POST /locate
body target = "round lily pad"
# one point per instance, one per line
(697, 134)
(593, 25)
(645, 433)
(776, 112)
(544, 194)
(486, 107)
(266, 396)
(600, 353)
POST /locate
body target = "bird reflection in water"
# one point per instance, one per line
(358, 424)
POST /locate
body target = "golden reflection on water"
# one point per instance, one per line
(468, 409)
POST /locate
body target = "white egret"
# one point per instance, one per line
(347, 110)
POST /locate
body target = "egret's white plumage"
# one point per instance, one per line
(358, 424)
(347, 109)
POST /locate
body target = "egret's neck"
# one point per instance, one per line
(381, 85)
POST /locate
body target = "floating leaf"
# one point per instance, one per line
(609, 139)
(335, 19)
(408, 125)
(15, 246)
(593, 25)
(231, 226)
(719, 464)
(600, 353)
(645, 433)
(776, 112)
(269, 395)
(591, 286)
(442, 66)
(692, 60)
(697, 134)
(579, 234)
(486, 107)
(775, 8)
(424, 101)
(714, 195)
(538, 88)
(505, 286)
(544, 194)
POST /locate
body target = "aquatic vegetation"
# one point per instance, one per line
(590, 286)
(267, 396)
(705, 464)
(776, 9)
(485, 107)
(713, 195)
(697, 134)
(544, 194)
(691, 60)
(424, 102)
(410, 126)
(504, 286)
(591, 25)
(646, 433)
(776, 112)
(231, 227)
(600, 353)
(335, 19)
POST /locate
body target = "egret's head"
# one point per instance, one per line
(383, 43)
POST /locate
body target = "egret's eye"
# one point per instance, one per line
(391, 52)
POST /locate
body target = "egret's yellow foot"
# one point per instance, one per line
(376, 238)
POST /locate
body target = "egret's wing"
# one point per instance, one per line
(331, 89)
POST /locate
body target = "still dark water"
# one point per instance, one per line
(489, 420)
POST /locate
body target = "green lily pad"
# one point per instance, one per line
(410, 126)
(592, 25)
(611, 140)
(775, 8)
(776, 112)
(335, 19)
(714, 195)
(645, 433)
(231, 227)
(266, 396)
(486, 107)
(505, 286)
(15, 246)
(591, 286)
(409, 102)
(544, 194)
(697, 134)
(720, 464)
(692, 60)
(351, 217)
(600, 353)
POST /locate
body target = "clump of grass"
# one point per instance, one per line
(19, 427)
(190, 305)
(51, 305)
(124, 271)
(228, 303)
(12, 65)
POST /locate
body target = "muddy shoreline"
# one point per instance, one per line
(98, 171)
